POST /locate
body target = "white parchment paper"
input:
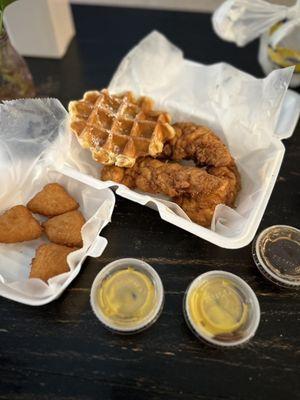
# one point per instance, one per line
(34, 144)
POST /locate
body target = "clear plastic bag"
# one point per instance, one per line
(241, 21)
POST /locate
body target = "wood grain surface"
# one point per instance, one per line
(61, 351)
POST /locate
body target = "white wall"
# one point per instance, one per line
(185, 5)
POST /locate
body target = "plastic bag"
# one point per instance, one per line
(241, 21)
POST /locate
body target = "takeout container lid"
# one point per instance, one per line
(118, 265)
(250, 298)
(275, 261)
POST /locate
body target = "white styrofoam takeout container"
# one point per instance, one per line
(14, 282)
(33, 143)
(171, 213)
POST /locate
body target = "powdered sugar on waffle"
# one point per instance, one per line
(119, 128)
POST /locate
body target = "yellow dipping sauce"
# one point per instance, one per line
(284, 56)
(127, 297)
(217, 307)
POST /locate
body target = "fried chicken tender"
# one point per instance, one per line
(196, 191)
(171, 179)
(50, 260)
(52, 200)
(65, 229)
(199, 210)
(197, 143)
(18, 225)
(232, 176)
(200, 144)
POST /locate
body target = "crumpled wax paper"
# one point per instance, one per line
(241, 109)
(34, 144)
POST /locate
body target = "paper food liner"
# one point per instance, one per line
(34, 143)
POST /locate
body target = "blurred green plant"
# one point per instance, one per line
(3, 5)
(15, 78)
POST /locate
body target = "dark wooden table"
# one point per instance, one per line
(60, 351)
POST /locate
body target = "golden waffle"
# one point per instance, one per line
(119, 128)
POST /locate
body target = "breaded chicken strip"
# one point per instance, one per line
(184, 184)
(171, 179)
(232, 176)
(197, 143)
(200, 144)
(197, 191)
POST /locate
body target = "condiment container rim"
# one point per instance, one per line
(119, 265)
(263, 267)
(247, 291)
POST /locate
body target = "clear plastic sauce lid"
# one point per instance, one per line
(127, 296)
(276, 252)
(221, 309)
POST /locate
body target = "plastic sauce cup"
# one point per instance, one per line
(140, 267)
(221, 297)
(276, 253)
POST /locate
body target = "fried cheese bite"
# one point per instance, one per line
(65, 229)
(50, 260)
(18, 225)
(52, 200)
